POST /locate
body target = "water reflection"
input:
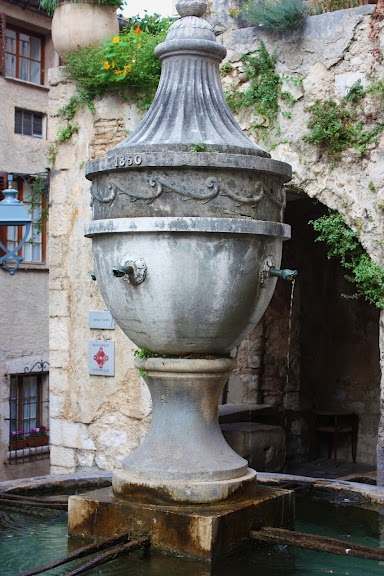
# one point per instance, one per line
(30, 538)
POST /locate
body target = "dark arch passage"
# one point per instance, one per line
(335, 349)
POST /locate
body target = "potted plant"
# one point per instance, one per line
(17, 440)
(81, 22)
(37, 437)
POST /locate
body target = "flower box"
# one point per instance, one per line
(35, 441)
(17, 444)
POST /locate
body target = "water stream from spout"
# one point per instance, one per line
(288, 364)
(288, 356)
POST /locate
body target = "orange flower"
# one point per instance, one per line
(118, 72)
(116, 39)
(107, 65)
(138, 29)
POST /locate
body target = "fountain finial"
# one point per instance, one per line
(191, 7)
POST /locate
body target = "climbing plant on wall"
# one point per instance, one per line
(265, 87)
(125, 66)
(338, 125)
(343, 244)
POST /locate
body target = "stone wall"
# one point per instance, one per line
(320, 61)
(94, 419)
(327, 56)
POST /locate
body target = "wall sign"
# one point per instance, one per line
(102, 320)
(102, 357)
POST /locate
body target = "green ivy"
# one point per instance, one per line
(125, 66)
(35, 199)
(356, 92)
(50, 5)
(335, 126)
(63, 133)
(343, 244)
(144, 353)
(265, 86)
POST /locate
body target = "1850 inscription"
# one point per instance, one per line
(122, 161)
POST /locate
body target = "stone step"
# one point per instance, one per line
(245, 412)
(261, 444)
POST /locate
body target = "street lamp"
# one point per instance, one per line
(13, 213)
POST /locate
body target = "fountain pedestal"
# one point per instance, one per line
(184, 457)
(184, 486)
(201, 531)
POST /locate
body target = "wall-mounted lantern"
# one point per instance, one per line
(13, 213)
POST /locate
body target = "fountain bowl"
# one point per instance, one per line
(200, 284)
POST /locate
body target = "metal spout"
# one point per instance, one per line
(121, 271)
(133, 270)
(285, 274)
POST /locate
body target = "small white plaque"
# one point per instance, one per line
(101, 319)
(102, 357)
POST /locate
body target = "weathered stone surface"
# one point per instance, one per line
(195, 185)
(209, 320)
(261, 444)
(200, 532)
(184, 457)
(329, 52)
(79, 401)
(345, 81)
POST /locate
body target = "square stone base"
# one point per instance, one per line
(204, 532)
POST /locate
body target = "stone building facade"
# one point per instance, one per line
(26, 53)
(333, 358)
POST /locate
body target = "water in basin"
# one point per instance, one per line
(29, 538)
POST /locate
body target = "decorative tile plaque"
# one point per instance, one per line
(102, 357)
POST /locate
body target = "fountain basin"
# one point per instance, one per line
(204, 288)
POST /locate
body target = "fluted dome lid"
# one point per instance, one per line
(191, 27)
(190, 107)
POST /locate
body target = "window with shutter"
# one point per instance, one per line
(29, 123)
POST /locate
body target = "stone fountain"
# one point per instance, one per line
(187, 240)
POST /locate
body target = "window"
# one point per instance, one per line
(28, 123)
(32, 193)
(28, 416)
(28, 402)
(24, 55)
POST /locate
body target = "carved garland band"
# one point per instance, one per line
(213, 185)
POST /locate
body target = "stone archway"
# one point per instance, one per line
(334, 353)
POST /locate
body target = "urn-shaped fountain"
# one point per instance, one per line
(187, 227)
